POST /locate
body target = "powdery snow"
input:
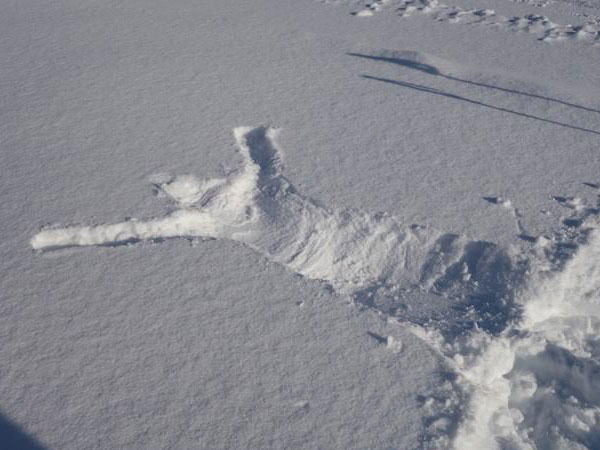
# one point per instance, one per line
(399, 252)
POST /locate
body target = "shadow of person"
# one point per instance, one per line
(12, 437)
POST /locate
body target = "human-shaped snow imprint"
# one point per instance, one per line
(519, 331)
(258, 206)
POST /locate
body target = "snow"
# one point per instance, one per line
(300, 224)
(536, 24)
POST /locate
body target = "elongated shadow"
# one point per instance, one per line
(434, 91)
(432, 70)
(13, 438)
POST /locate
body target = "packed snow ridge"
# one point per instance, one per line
(520, 329)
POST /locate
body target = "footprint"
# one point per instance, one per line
(538, 25)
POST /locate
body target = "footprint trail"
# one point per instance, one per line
(538, 25)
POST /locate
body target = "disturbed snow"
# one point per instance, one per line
(522, 344)
(515, 327)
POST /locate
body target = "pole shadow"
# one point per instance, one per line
(434, 91)
(427, 68)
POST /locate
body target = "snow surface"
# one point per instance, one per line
(313, 224)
